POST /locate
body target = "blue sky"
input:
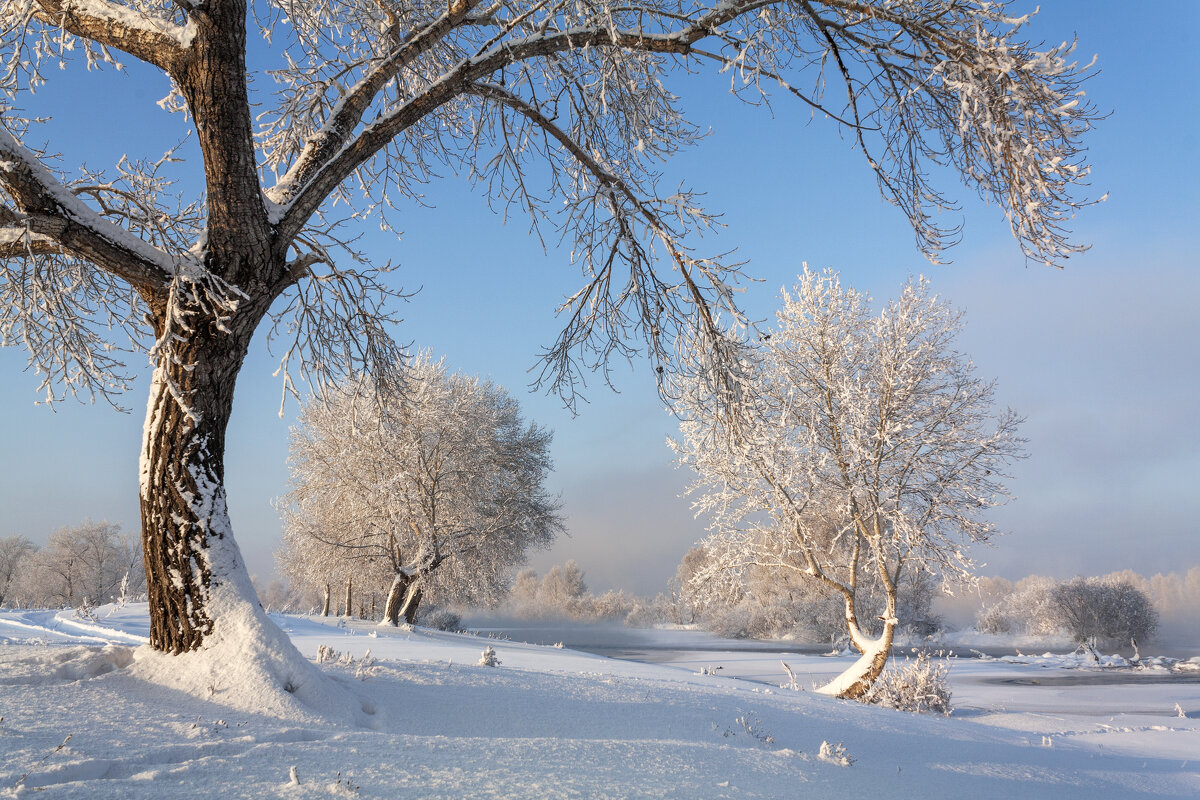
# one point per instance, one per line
(1101, 357)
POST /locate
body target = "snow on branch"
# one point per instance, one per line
(46, 31)
(53, 210)
(62, 311)
(614, 225)
(56, 302)
(558, 110)
(395, 94)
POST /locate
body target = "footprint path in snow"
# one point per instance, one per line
(170, 759)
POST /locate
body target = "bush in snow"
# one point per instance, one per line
(489, 658)
(1106, 611)
(916, 685)
(442, 619)
(835, 754)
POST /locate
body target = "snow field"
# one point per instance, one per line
(554, 723)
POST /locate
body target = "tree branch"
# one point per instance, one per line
(308, 194)
(51, 211)
(323, 145)
(156, 41)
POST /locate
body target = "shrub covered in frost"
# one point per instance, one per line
(835, 754)
(1106, 611)
(489, 658)
(442, 619)
(916, 685)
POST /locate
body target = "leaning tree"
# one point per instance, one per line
(864, 453)
(557, 108)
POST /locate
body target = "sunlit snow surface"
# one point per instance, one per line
(556, 723)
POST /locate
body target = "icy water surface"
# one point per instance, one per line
(761, 661)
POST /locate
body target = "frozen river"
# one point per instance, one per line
(760, 661)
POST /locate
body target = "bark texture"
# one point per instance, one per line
(183, 487)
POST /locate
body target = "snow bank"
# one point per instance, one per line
(251, 666)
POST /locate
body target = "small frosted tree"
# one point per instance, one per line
(864, 448)
(14, 553)
(558, 109)
(436, 490)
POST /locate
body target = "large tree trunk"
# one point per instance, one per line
(404, 596)
(194, 570)
(201, 598)
(349, 597)
(183, 498)
(411, 602)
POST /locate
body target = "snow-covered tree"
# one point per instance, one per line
(560, 109)
(1025, 607)
(562, 587)
(433, 491)
(14, 550)
(866, 448)
(88, 563)
(1104, 610)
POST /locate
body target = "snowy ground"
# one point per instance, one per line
(556, 723)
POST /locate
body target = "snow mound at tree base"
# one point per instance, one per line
(249, 664)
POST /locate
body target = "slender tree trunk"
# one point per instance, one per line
(857, 679)
(325, 602)
(349, 597)
(411, 602)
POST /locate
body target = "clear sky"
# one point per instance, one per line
(1101, 357)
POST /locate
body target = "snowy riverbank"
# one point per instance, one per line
(550, 722)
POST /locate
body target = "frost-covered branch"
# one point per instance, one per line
(139, 28)
(52, 211)
(63, 312)
(333, 324)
